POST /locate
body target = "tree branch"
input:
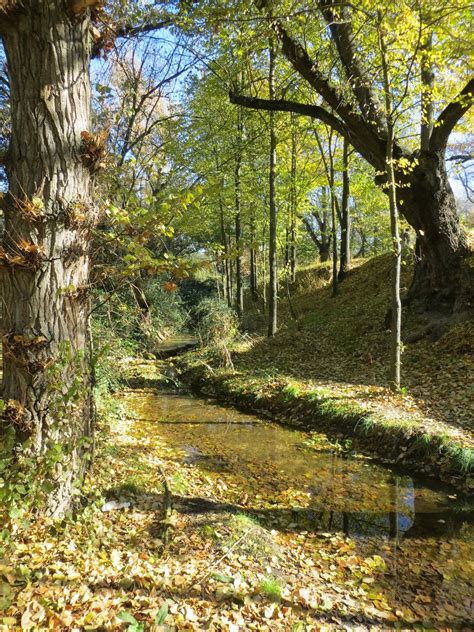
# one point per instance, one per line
(282, 105)
(338, 18)
(460, 158)
(364, 136)
(133, 31)
(311, 232)
(448, 118)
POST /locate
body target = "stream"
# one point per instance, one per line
(306, 485)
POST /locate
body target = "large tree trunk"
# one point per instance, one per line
(429, 206)
(44, 256)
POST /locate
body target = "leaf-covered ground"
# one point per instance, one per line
(226, 566)
(342, 344)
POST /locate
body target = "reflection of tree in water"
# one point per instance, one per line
(347, 494)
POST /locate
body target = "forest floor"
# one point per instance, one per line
(235, 551)
(337, 351)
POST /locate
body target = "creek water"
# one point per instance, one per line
(299, 480)
(321, 501)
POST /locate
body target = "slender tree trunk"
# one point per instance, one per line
(231, 269)
(45, 251)
(273, 269)
(326, 235)
(293, 202)
(263, 275)
(395, 363)
(225, 244)
(239, 290)
(253, 260)
(335, 282)
(345, 219)
(363, 244)
(396, 267)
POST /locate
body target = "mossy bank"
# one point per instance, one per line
(403, 441)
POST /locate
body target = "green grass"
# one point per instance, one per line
(462, 458)
(290, 391)
(271, 587)
(178, 483)
(240, 523)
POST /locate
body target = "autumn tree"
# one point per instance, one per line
(350, 103)
(49, 212)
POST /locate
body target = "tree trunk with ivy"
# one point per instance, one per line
(45, 250)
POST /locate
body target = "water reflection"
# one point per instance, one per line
(293, 485)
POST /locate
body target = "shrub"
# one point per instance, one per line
(216, 326)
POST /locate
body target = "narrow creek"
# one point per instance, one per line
(307, 486)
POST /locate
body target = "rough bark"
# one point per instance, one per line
(429, 206)
(427, 84)
(44, 255)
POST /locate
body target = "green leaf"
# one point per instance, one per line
(161, 614)
(127, 617)
(220, 577)
(15, 513)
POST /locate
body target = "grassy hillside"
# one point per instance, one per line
(345, 340)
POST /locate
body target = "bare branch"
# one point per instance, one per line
(132, 31)
(460, 158)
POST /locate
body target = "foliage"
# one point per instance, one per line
(216, 323)
(271, 587)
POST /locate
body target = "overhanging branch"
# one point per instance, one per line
(282, 105)
(450, 116)
(133, 31)
(364, 136)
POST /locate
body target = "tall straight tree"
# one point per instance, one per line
(239, 288)
(344, 215)
(273, 224)
(45, 252)
(290, 250)
(395, 360)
